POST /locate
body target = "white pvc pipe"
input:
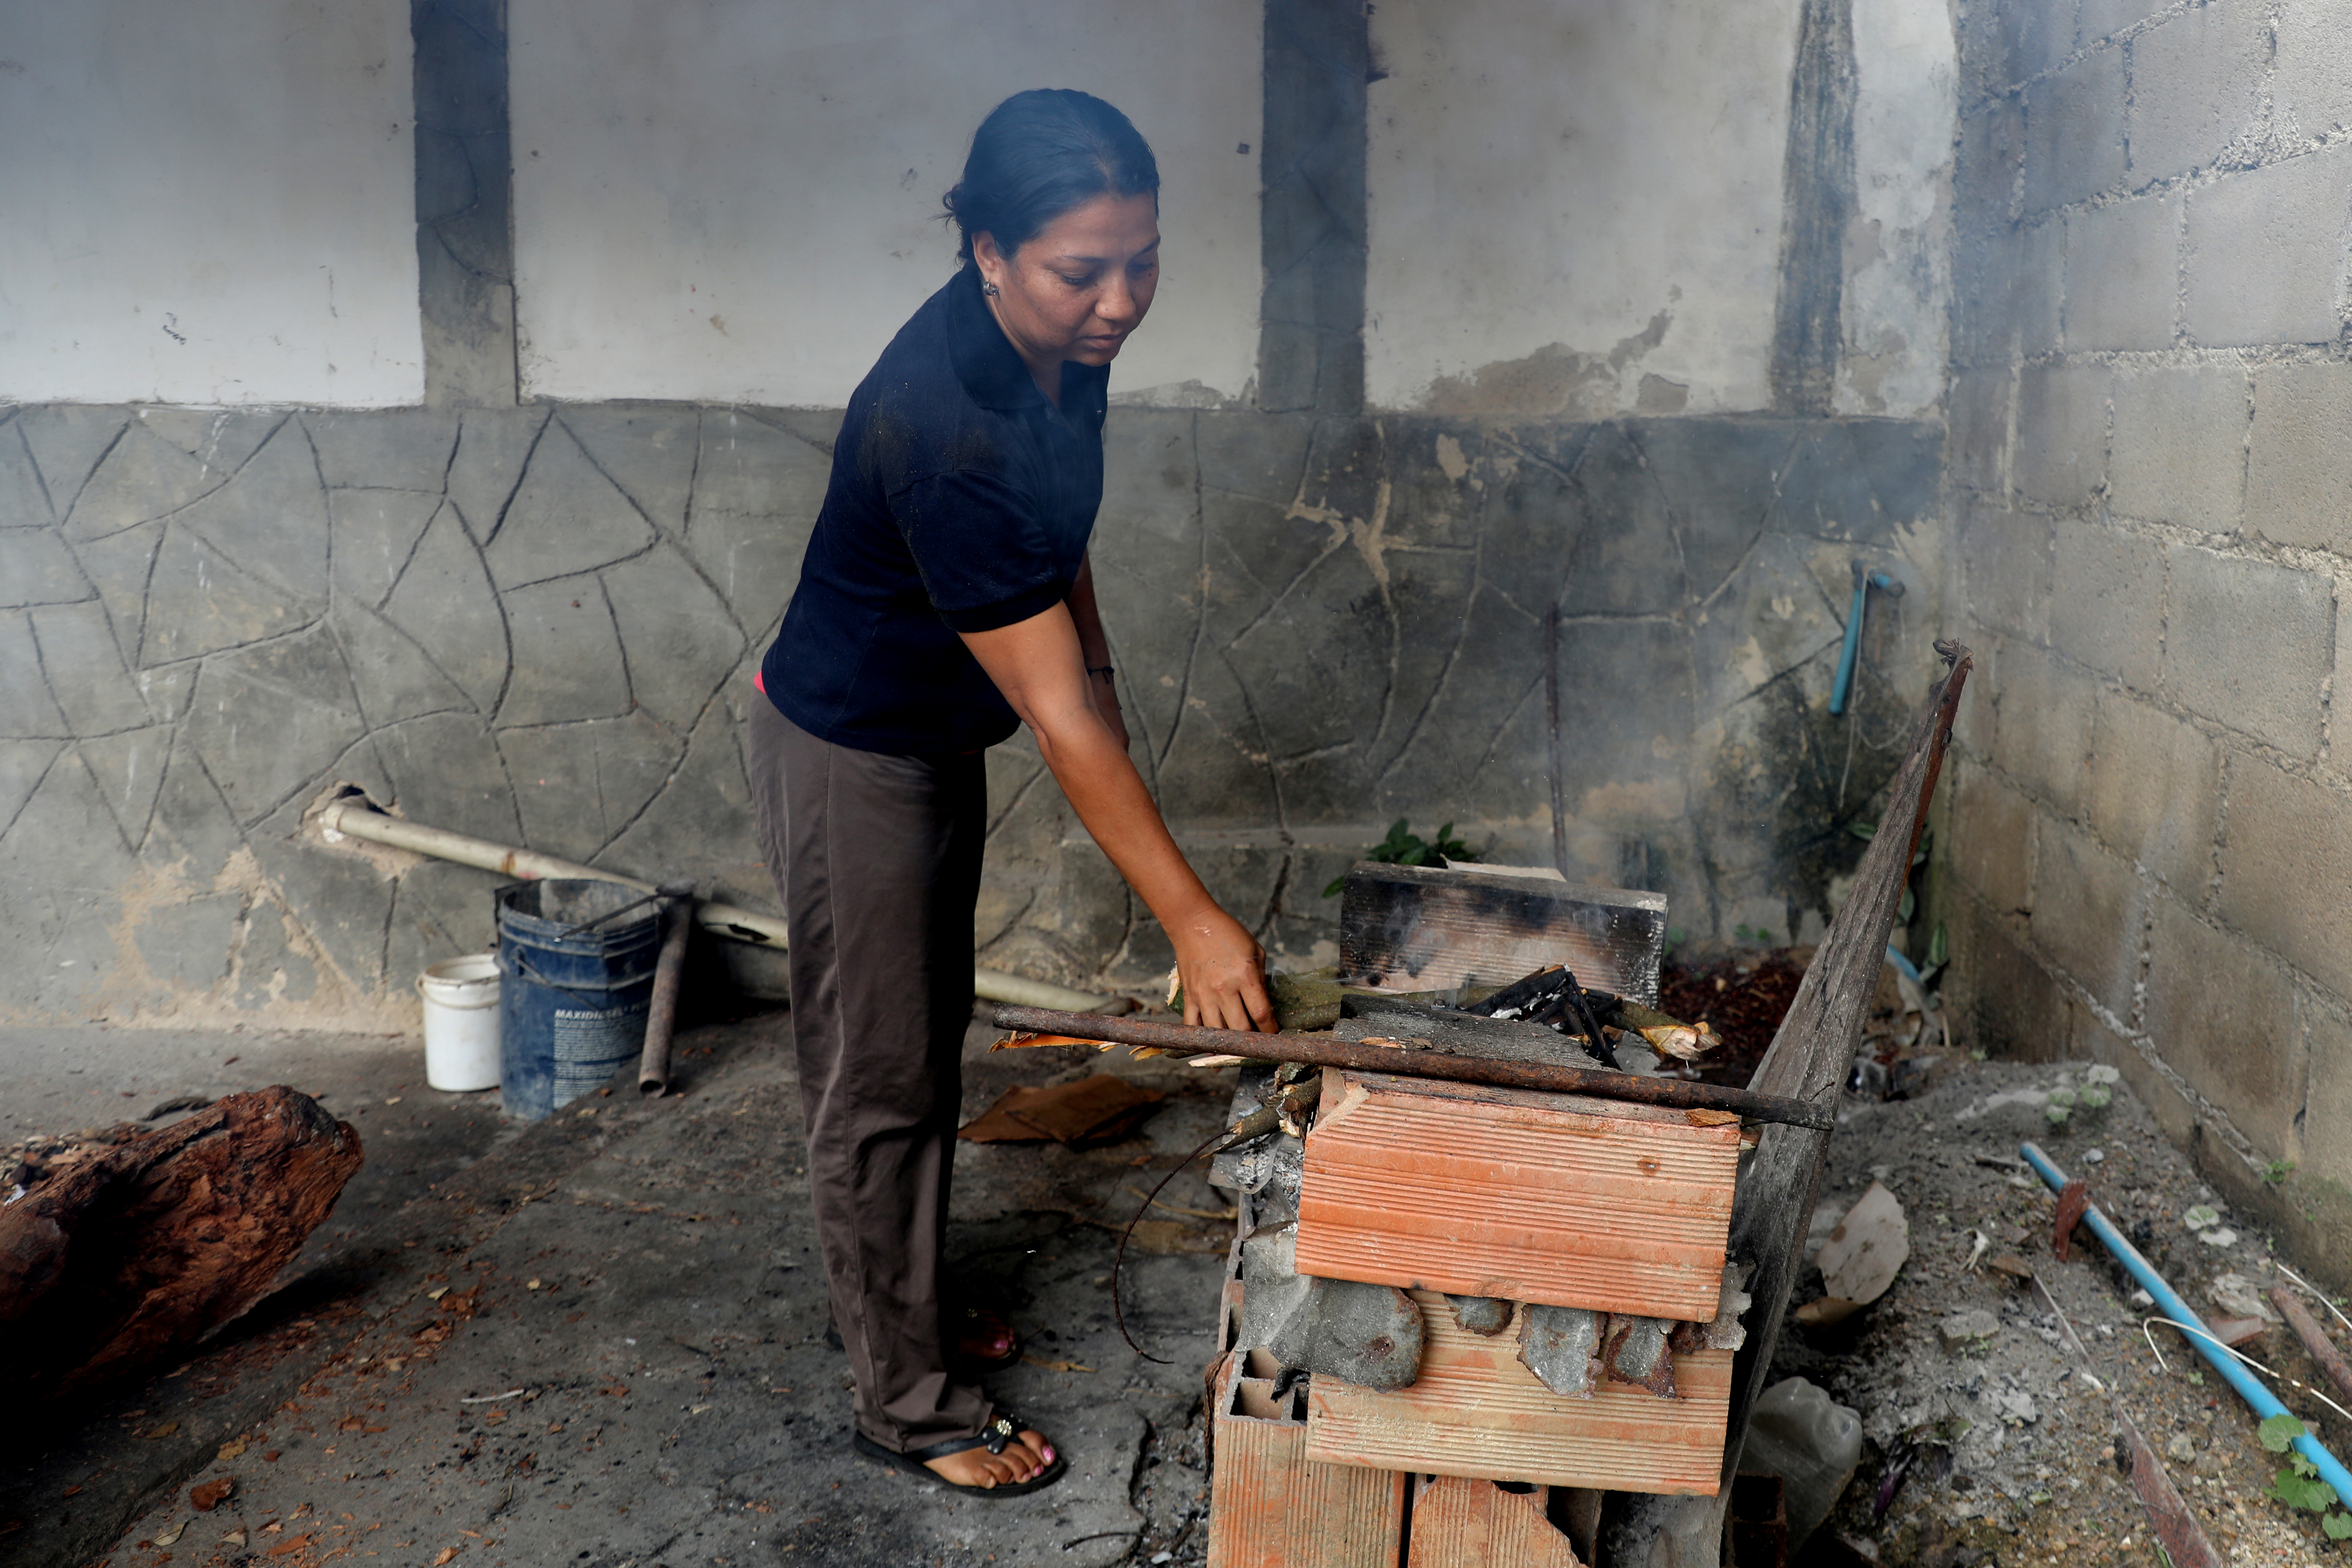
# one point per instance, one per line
(353, 817)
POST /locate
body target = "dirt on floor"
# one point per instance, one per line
(602, 1343)
(1993, 1448)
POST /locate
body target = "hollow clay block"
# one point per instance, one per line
(1561, 1346)
(1369, 1335)
(1483, 1315)
(1635, 1350)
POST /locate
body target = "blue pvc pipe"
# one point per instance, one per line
(2265, 1403)
(1853, 647)
(1864, 582)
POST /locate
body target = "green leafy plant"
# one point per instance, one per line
(1746, 932)
(1403, 847)
(2277, 1172)
(2061, 1105)
(2299, 1484)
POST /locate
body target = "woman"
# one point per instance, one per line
(945, 599)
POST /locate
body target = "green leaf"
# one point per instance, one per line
(2336, 1526)
(1904, 910)
(1939, 948)
(2279, 1432)
(2303, 1491)
(1862, 829)
(1339, 884)
(2301, 1466)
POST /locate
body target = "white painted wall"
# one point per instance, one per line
(1549, 177)
(1897, 311)
(208, 202)
(736, 200)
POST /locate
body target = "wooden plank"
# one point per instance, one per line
(1463, 1524)
(1477, 1411)
(1809, 1057)
(1414, 928)
(1271, 1507)
(1560, 1199)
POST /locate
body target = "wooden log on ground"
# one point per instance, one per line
(1417, 927)
(1808, 1060)
(1558, 1199)
(110, 1264)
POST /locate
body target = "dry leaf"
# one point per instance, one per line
(230, 1450)
(172, 1534)
(209, 1495)
(1055, 1365)
(235, 1537)
(299, 1541)
(446, 1553)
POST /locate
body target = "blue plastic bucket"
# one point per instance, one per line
(571, 1002)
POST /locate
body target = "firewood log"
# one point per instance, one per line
(112, 1262)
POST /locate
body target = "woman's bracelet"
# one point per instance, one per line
(1102, 669)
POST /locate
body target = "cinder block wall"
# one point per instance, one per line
(2151, 457)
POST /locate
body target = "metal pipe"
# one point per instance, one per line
(2234, 1371)
(1864, 579)
(356, 818)
(669, 972)
(1324, 1051)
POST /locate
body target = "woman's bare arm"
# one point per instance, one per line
(1101, 690)
(1040, 666)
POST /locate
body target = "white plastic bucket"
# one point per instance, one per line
(461, 1022)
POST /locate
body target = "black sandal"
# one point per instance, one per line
(994, 1437)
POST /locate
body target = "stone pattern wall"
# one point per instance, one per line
(538, 625)
(2149, 408)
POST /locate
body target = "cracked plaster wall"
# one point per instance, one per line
(538, 625)
(2152, 822)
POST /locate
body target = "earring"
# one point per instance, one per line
(988, 289)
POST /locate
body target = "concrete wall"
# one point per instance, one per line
(536, 621)
(2150, 407)
(208, 202)
(748, 205)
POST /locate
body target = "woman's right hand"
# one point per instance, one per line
(1223, 971)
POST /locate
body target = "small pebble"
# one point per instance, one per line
(2179, 1447)
(2094, 1156)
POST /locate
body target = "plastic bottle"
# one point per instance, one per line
(1813, 1444)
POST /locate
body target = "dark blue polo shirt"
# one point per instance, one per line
(961, 501)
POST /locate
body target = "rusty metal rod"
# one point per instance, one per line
(2314, 1339)
(669, 971)
(1323, 1051)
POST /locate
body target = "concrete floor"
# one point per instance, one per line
(601, 1339)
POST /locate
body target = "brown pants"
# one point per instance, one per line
(877, 859)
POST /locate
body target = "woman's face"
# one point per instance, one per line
(1080, 286)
